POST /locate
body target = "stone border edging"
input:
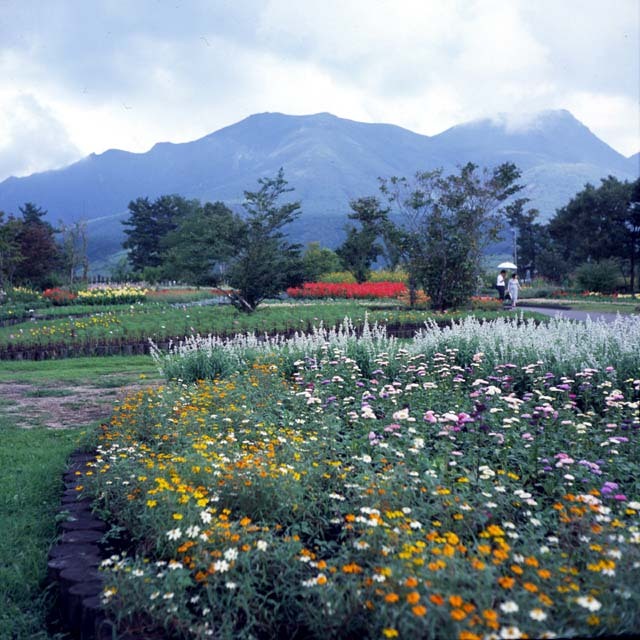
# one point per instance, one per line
(73, 562)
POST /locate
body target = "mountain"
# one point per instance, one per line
(328, 160)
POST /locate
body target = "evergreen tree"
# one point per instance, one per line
(266, 262)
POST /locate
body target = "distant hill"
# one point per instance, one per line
(328, 160)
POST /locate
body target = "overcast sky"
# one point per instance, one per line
(82, 76)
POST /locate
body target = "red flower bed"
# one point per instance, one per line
(348, 290)
(59, 297)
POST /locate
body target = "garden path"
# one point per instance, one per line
(574, 314)
(58, 405)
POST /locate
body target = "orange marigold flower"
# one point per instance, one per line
(419, 610)
(468, 635)
(490, 614)
(413, 597)
(411, 582)
(517, 569)
(545, 574)
(530, 587)
(458, 614)
(352, 568)
(391, 597)
(531, 561)
(506, 582)
(455, 601)
(436, 599)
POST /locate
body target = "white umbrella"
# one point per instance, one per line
(507, 265)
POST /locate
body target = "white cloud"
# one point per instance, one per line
(32, 138)
(117, 74)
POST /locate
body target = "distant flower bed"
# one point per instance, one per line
(348, 290)
(96, 296)
(59, 297)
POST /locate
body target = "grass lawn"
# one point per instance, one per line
(99, 372)
(32, 462)
(31, 466)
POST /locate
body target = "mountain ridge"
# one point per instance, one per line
(327, 159)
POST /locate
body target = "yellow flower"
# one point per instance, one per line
(389, 632)
(177, 516)
(151, 503)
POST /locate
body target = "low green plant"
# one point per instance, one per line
(31, 466)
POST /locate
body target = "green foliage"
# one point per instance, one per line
(600, 223)
(29, 254)
(447, 221)
(202, 244)
(31, 466)
(265, 262)
(360, 249)
(148, 224)
(318, 261)
(603, 276)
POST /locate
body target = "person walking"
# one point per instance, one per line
(514, 288)
(500, 284)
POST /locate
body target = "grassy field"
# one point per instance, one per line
(31, 466)
(32, 462)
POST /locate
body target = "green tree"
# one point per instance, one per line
(199, 249)
(74, 251)
(532, 237)
(318, 260)
(148, 225)
(266, 263)
(41, 257)
(591, 226)
(361, 247)
(447, 222)
(10, 256)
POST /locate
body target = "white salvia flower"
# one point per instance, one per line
(174, 534)
(261, 545)
(205, 516)
(192, 532)
(537, 614)
(510, 632)
(168, 596)
(174, 564)
(231, 586)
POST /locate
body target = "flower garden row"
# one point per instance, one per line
(481, 481)
(162, 322)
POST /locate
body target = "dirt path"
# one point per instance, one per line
(60, 406)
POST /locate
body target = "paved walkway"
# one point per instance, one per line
(573, 314)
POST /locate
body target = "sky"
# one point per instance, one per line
(83, 76)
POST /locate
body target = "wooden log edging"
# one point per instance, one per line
(74, 561)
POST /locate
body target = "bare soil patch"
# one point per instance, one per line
(60, 406)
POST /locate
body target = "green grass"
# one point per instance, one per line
(31, 466)
(100, 372)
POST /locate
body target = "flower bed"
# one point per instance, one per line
(433, 491)
(372, 290)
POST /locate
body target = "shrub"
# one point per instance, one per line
(603, 276)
